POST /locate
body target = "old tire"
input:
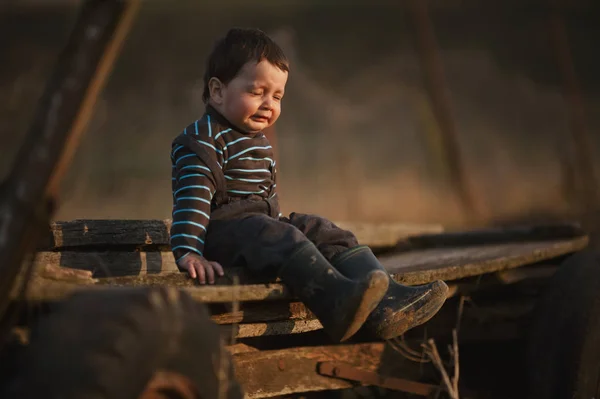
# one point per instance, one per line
(120, 344)
(564, 348)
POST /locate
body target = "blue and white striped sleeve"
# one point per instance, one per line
(193, 192)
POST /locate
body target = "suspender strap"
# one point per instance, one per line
(218, 178)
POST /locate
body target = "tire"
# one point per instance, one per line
(564, 347)
(120, 343)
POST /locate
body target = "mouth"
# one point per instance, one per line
(259, 118)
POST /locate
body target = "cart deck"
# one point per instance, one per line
(100, 254)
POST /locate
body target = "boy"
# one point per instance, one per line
(223, 171)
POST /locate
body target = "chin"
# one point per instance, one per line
(256, 127)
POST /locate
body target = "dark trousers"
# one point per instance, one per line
(262, 243)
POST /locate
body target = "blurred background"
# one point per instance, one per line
(462, 113)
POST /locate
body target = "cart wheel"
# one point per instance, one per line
(564, 348)
(127, 344)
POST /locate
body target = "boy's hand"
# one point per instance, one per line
(202, 268)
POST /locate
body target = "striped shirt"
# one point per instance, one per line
(247, 163)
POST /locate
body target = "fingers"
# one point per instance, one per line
(204, 270)
(218, 268)
(199, 266)
(188, 264)
(192, 271)
(210, 273)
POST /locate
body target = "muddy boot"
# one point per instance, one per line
(341, 305)
(403, 307)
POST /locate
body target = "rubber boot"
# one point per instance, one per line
(342, 305)
(403, 307)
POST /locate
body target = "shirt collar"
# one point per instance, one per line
(220, 119)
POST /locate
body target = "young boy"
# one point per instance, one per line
(224, 172)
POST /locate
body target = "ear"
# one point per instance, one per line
(215, 90)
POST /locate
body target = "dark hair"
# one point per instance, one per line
(239, 46)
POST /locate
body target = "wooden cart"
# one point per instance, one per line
(277, 344)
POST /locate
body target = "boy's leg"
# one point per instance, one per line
(271, 247)
(257, 242)
(402, 308)
(329, 238)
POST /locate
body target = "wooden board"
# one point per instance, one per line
(413, 267)
(135, 233)
(253, 312)
(267, 374)
(47, 290)
(283, 327)
(258, 317)
(417, 267)
(112, 263)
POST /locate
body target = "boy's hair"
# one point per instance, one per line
(239, 46)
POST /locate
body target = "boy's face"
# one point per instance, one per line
(251, 100)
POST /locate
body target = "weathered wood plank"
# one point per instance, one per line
(252, 320)
(107, 233)
(418, 267)
(112, 263)
(50, 281)
(484, 322)
(273, 373)
(267, 374)
(413, 267)
(253, 312)
(44, 290)
(282, 327)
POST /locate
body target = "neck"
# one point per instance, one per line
(215, 107)
(214, 112)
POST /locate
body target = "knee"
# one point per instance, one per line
(304, 221)
(313, 224)
(270, 229)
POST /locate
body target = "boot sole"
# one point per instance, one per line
(377, 284)
(402, 320)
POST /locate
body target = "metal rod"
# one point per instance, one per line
(431, 65)
(585, 178)
(347, 372)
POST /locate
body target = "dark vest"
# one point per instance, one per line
(223, 206)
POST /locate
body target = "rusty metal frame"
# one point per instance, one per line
(347, 372)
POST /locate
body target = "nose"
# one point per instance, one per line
(268, 103)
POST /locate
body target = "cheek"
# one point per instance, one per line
(246, 106)
(276, 111)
